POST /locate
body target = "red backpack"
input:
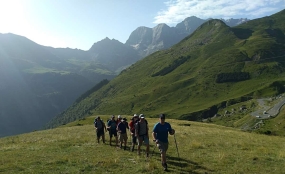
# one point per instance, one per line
(132, 126)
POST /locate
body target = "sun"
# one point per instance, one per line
(12, 15)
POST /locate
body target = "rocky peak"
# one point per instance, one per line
(189, 24)
(234, 22)
(142, 35)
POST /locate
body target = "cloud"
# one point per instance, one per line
(178, 10)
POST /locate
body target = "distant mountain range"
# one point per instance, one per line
(215, 67)
(39, 82)
(148, 40)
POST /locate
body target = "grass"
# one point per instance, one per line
(203, 148)
(42, 70)
(274, 126)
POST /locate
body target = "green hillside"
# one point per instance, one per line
(203, 148)
(214, 67)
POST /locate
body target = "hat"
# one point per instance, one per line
(98, 117)
(119, 116)
(141, 116)
(162, 116)
(135, 115)
(113, 116)
(124, 119)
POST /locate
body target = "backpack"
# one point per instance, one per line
(132, 126)
(137, 123)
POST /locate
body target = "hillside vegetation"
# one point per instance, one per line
(203, 148)
(213, 68)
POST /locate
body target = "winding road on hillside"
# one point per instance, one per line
(266, 111)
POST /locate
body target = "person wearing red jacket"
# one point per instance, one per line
(132, 130)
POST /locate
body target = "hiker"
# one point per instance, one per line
(112, 127)
(122, 131)
(141, 132)
(160, 137)
(132, 130)
(119, 119)
(125, 122)
(99, 126)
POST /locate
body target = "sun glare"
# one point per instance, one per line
(12, 15)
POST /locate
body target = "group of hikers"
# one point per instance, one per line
(139, 132)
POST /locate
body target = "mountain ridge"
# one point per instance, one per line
(92, 66)
(178, 80)
(171, 35)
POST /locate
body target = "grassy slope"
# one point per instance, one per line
(203, 148)
(275, 126)
(245, 121)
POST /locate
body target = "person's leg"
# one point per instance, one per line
(102, 135)
(116, 136)
(134, 138)
(103, 138)
(146, 141)
(121, 138)
(98, 136)
(163, 160)
(139, 145)
(163, 148)
(163, 157)
(125, 141)
(110, 133)
(125, 144)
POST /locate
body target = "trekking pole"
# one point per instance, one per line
(177, 152)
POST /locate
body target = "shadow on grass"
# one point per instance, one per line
(181, 165)
(187, 166)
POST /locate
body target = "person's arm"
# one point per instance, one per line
(136, 130)
(118, 127)
(170, 128)
(130, 126)
(95, 126)
(171, 131)
(147, 130)
(105, 126)
(154, 134)
(108, 124)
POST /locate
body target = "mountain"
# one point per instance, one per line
(38, 82)
(148, 40)
(47, 80)
(208, 70)
(113, 55)
(234, 22)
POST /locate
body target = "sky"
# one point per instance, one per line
(81, 23)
